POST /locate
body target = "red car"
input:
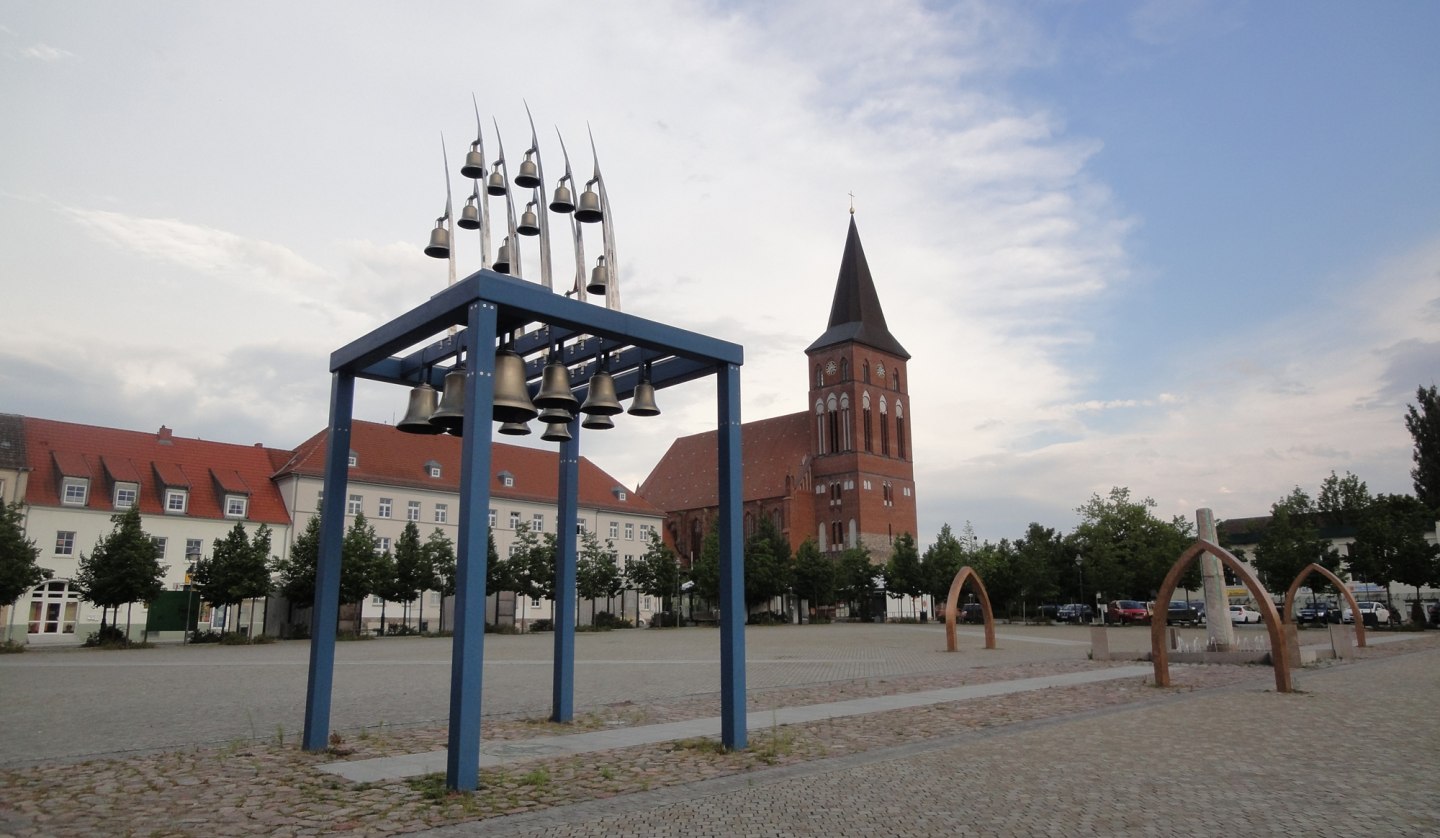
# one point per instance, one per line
(1127, 612)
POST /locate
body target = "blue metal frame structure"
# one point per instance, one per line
(475, 315)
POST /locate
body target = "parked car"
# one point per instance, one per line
(1183, 613)
(971, 612)
(1127, 612)
(1244, 614)
(1075, 612)
(1371, 614)
(1318, 612)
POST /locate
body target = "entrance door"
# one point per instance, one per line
(53, 609)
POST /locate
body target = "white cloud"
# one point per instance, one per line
(45, 52)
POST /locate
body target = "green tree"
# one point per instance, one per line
(995, 562)
(360, 566)
(942, 560)
(295, 574)
(596, 572)
(383, 583)
(497, 573)
(855, 580)
(1423, 422)
(705, 569)
(18, 569)
(767, 564)
(657, 572)
(238, 569)
(412, 575)
(124, 568)
(1041, 560)
(814, 575)
(1126, 551)
(904, 577)
(1342, 500)
(532, 565)
(440, 558)
(1390, 545)
(1291, 541)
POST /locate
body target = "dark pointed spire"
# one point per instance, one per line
(855, 314)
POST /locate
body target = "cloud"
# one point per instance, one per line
(45, 52)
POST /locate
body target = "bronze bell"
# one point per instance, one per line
(502, 258)
(557, 432)
(599, 277)
(439, 245)
(589, 209)
(529, 175)
(597, 422)
(529, 222)
(562, 202)
(450, 415)
(423, 399)
(550, 415)
(512, 398)
(496, 184)
(600, 400)
(555, 389)
(515, 429)
(469, 215)
(643, 404)
(474, 164)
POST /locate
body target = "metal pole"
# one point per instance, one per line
(562, 685)
(732, 567)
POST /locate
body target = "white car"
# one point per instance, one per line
(1244, 614)
(1382, 614)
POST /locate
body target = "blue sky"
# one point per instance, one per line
(1190, 247)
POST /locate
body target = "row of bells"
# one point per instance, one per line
(555, 405)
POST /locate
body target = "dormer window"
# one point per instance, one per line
(354, 459)
(619, 493)
(74, 491)
(125, 495)
(506, 479)
(176, 501)
(432, 468)
(236, 506)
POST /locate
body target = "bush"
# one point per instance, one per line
(108, 637)
(767, 618)
(402, 630)
(262, 639)
(299, 632)
(234, 638)
(11, 647)
(501, 628)
(350, 635)
(542, 625)
(664, 619)
(205, 636)
(606, 620)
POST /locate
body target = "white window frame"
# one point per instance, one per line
(386, 506)
(492, 519)
(614, 529)
(75, 491)
(537, 522)
(64, 543)
(442, 513)
(194, 547)
(514, 519)
(160, 543)
(177, 501)
(236, 506)
(126, 495)
(412, 511)
(629, 530)
(355, 504)
(382, 545)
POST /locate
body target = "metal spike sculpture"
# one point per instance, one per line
(539, 200)
(578, 290)
(514, 238)
(607, 229)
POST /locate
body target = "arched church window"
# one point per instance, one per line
(899, 429)
(844, 369)
(819, 376)
(865, 371)
(846, 423)
(884, 429)
(833, 414)
(869, 423)
(819, 427)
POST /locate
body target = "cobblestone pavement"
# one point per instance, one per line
(1065, 760)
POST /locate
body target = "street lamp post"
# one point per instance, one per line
(1080, 571)
(191, 557)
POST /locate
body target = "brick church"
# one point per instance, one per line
(841, 471)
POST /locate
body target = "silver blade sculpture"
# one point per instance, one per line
(542, 213)
(481, 202)
(607, 229)
(514, 239)
(578, 291)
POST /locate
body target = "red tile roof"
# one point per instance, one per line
(775, 449)
(384, 455)
(73, 446)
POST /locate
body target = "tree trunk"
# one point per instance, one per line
(251, 627)
(383, 603)
(128, 606)
(421, 621)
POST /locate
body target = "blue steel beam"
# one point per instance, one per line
(326, 611)
(732, 564)
(562, 704)
(467, 650)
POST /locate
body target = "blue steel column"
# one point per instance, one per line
(732, 567)
(563, 684)
(326, 612)
(467, 651)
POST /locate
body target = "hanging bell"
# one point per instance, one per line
(550, 415)
(469, 215)
(643, 404)
(589, 209)
(515, 429)
(474, 164)
(562, 202)
(439, 246)
(423, 399)
(496, 184)
(529, 175)
(555, 391)
(512, 398)
(529, 222)
(450, 415)
(502, 259)
(599, 277)
(597, 422)
(557, 432)
(600, 400)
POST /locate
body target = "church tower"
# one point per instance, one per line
(861, 460)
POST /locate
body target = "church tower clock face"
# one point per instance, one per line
(879, 370)
(830, 368)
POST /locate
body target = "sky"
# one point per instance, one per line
(1191, 248)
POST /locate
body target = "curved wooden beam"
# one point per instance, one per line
(1288, 614)
(1159, 651)
(952, 603)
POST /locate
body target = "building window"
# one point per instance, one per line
(644, 532)
(236, 506)
(432, 468)
(506, 479)
(353, 459)
(320, 499)
(514, 520)
(614, 529)
(412, 510)
(580, 526)
(629, 531)
(176, 500)
(442, 513)
(537, 522)
(64, 543)
(76, 489)
(819, 427)
(125, 494)
(514, 548)
(492, 519)
(649, 603)
(620, 495)
(377, 600)
(382, 545)
(160, 542)
(355, 505)
(845, 423)
(193, 548)
(53, 608)
(385, 504)
(534, 603)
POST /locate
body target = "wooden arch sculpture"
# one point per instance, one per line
(952, 604)
(1159, 652)
(1288, 614)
